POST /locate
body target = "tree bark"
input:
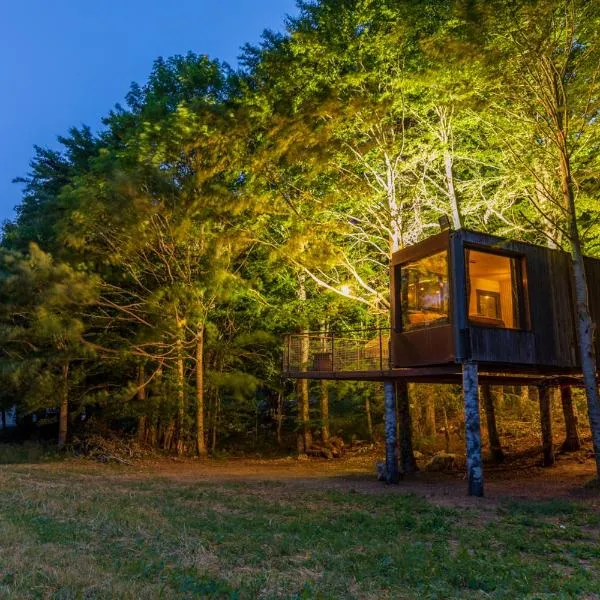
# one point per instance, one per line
(369, 417)
(391, 446)
(546, 423)
(180, 397)
(557, 106)
(472, 429)
(490, 416)
(63, 413)
(428, 416)
(279, 416)
(215, 422)
(200, 433)
(408, 464)
(572, 442)
(324, 411)
(141, 398)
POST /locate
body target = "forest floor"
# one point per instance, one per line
(250, 528)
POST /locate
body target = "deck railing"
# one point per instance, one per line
(352, 351)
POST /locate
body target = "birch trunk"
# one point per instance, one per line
(558, 109)
(391, 446)
(472, 430)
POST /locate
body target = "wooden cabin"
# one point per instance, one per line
(467, 296)
(468, 307)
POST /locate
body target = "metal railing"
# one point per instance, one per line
(352, 351)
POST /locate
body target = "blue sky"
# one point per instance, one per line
(67, 62)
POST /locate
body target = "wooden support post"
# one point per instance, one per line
(472, 429)
(391, 446)
(546, 422)
(408, 464)
(490, 416)
(572, 442)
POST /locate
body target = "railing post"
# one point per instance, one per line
(380, 352)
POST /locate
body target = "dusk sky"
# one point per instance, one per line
(66, 63)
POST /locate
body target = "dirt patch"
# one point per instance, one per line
(519, 478)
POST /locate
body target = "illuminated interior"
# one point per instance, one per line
(424, 292)
(493, 288)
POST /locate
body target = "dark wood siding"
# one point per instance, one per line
(592, 270)
(548, 291)
(506, 346)
(427, 346)
(548, 338)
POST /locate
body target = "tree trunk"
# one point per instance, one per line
(408, 464)
(572, 442)
(180, 397)
(141, 398)
(391, 446)
(200, 439)
(279, 416)
(446, 431)
(369, 417)
(324, 411)
(215, 422)
(305, 435)
(546, 423)
(428, 416)
(587, 353)
(586, 328)
(63, 413)
(304, 415)
(490, 416)
(472, 429)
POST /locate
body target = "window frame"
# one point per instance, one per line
(399, 326)
(520, 263)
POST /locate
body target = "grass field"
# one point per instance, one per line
(73, 529)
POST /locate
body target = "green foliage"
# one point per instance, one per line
(217, 210)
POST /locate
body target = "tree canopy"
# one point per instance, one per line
(153, 264)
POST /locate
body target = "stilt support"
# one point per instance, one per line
(546, 422)
(391, 443)
(472, 429)
(408, 464)
(572, 442)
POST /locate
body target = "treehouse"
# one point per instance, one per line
(465, 306)
(508, 306)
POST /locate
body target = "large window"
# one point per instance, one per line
(495, 290)
(424, 292)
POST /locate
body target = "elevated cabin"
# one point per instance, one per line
(465, 306)
(467, 296)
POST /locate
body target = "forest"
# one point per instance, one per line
(153, 266)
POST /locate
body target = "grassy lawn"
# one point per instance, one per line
(71, 530)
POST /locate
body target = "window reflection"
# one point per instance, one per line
(424, 292)
(493, 288)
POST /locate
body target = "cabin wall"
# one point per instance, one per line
(592, 270)
(550, 340)
(548, 336)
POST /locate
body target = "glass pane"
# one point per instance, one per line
(493, 291)
(424, 290)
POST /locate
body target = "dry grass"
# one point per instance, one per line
(256, 529)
